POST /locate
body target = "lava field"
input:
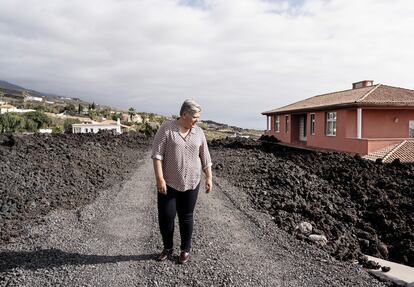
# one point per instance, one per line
(360, 206)
(40, 173)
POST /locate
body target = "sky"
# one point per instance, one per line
(236, 58)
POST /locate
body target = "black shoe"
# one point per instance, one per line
(184, 257)
(165, 254)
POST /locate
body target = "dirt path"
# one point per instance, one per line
(113, 241)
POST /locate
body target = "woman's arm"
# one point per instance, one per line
(209, 179)
(159, 177)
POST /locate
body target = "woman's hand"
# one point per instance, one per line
(209, 184)
(161, 186)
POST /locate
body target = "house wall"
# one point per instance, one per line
(374, 118)
(281, 135)
(341, 142)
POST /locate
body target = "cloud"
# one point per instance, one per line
(236, 57)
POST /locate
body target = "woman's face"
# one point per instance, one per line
(190, 120)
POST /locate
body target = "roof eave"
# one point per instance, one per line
(340, 106)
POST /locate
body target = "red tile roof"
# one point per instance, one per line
(404, 152)
(376, 95)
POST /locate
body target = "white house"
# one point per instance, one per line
(7, 108)
(35, 99)
(95, 127)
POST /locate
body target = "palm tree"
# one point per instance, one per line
(131, 113)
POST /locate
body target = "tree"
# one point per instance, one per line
(39, 119)
(93, 114)
(105, 112)
(10, 122)
(131, 113)
(146, 128)
(151, 117)
(116, 116)
(30, 126)
(93, 106)
(67, 125)
(70, 109)
(80, 109)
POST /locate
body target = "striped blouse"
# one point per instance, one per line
(182, 158)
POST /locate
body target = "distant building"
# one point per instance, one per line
(364, 119)
(7, 108)
(137, 119)
(131, 119)
(95, 127)
(34, 99)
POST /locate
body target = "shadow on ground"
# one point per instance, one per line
(48, 258)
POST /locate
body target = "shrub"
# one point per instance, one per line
(57, 130)
(37, 120)
(67, 125)
(11, 122)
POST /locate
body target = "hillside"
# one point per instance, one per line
(73, 106)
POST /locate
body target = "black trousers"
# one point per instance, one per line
(169, 205)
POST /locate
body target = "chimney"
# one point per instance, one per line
(362, 84)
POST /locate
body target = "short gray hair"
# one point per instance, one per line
(190, 106)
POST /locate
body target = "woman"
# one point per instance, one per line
(179, 154)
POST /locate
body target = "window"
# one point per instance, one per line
(331, 124)
(286, 124)
(277, 124)
(86, 130)
(312, 124)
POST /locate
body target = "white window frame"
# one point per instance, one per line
(331, 124)
(277, 124)
(269, 122)
(312, 123)
(287, 124)
(411, 128)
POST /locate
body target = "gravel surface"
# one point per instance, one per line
(113, 242)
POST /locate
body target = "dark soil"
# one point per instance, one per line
(360, 206)
(40, 173)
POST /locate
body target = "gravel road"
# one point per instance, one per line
(114, 240)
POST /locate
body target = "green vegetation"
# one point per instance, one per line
(146, 128)
(26, 122)
(57, 130)
(211, 135)
(67, 125)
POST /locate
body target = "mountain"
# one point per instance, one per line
(9, 86)
(15, 89)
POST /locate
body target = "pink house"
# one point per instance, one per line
(364, 119)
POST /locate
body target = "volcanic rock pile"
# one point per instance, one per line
(359, 205)
(39, 173)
